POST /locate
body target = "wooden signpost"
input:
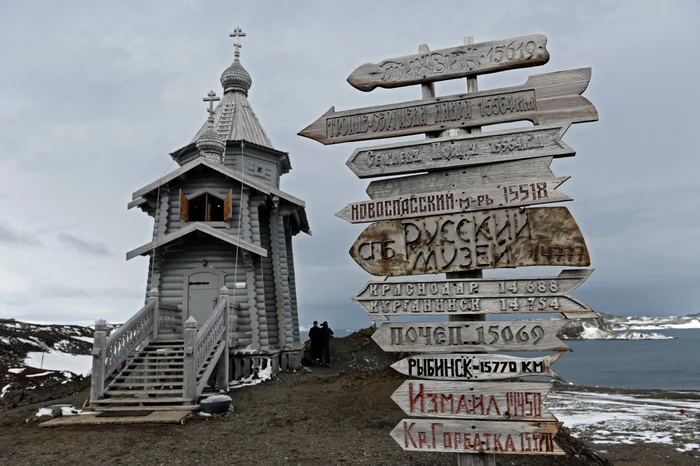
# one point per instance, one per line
(467, 400)
(471, 337)
(506, 173)
(455, 62)
(471, 241)
(457, 152)
(489, 197)
(476, 296)
(462, 210)
(460, 436)
(548, 98)
(456, 366)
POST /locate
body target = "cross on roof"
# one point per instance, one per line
(237, 33)
(211, 98)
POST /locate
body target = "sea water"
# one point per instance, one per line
(663, 364)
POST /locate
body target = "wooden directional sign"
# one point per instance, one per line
(471, 337)
(473, 149)
(476, 296)
(455, 62)
(471, 241)
(468, 400)
(475, 366)
(466, 436)
(508, 173)
(544, 99)
(493, 196)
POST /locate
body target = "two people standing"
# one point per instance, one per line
(320, 343)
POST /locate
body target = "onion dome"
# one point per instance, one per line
(209, 144)
(236, 78)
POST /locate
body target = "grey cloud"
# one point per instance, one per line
(84, 246)
(13, 237)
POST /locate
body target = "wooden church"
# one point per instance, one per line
(221, 299)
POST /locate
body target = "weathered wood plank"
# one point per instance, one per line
(516, 401)
(476, 366)
(471, 337)
(474, 177)
(471, 241)
(492, 196)
(548, 98)
(452, 63)
(475, 296)
(475, 305)
(466, 436)
(457, 152)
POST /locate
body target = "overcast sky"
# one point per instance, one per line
(94, 95)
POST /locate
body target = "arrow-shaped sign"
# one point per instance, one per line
(476, 296)
(471, 337)
(473, 149)
(475, 366)
(493, 196)
(471, 241)
(548, 98)
(522, 401)
(451, 63)
(508, 173)
(466, 436)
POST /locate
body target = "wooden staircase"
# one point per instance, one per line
(153, 378)
(154, 362)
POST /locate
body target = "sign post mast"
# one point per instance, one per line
(466, 459)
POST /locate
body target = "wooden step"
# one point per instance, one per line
(149, 376)
(141, 364)
(165, 350)
(158, 358)
(141, 408)
(146, 384)
(133, 401)
(143, 392)
(167, 340)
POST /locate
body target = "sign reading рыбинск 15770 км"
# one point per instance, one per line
(543, 99)
(471, 241)
(456, 366)
(455, 62)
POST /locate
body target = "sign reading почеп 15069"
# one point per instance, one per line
(471, 241)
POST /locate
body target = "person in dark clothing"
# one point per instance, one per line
(326, 334)
(315, 337)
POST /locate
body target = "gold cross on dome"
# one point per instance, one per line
(211, 98)
(237, 33)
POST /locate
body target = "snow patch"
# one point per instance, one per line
(56, 361)
(642, 336)
(15, 370)
(255, 378)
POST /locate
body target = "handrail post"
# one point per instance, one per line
(190, 373)
(222, 376)
(153, 295)
(99, 347)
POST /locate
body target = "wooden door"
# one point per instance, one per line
(202, 292)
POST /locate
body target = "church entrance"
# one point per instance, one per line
(202, 288)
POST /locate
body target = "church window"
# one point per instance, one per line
(205, 207)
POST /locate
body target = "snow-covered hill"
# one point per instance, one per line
(610, 327)
(38, 356)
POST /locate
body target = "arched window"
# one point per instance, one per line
(205, 207)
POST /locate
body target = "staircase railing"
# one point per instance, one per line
(169, 316)
(109, 352)
(199, 345)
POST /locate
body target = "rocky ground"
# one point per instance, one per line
(340, 415)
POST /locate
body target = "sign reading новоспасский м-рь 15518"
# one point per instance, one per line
(543, 99)
(471, 241)
(451, 63)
